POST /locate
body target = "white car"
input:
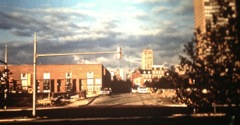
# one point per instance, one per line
(134, 90)
(105, 91)
(142, 90)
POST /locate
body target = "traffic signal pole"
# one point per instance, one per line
(34, 74)
(35, 56)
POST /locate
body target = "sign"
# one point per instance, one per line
(46, 75)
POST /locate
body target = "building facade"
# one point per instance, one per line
(147, 59)
(214, 12)
(146, 76)
(141, 76)
(217, 18)
(158, 71)
(148, 72)
(59, 78)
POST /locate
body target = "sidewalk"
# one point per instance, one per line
(78, 102)
(82, 102)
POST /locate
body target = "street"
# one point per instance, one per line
(133, 99)
(121, 108)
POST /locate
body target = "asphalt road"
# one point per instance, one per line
(151, 99)
(119, 109)
(122, 115)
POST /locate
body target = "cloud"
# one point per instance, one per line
(185, 8)
(160, 9)
(163, 25)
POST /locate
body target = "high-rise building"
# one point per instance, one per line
(214, 13)
(219, 16)
(147, 59)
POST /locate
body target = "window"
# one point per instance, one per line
(97, 88)
(90, 74)
(68, 75)
(90, 81)
(24, 83)
(46, 85)
(90, 88)
(58, 85)
(98, 81)
(23, 76)
(46, 75)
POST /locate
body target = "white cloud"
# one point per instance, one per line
(84, 5)
(159, 9)
(86, 36)
(148, 1)
(88, 27)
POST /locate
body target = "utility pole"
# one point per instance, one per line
(35, 56)
(34, 74)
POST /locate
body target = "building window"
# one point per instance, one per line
(24, 85)
(68, 85)
(90, 88)
(68, 75)
(98, 88)
(90, 75)
(25, 81)
(46, 85)
(46, 82)
(59, 85)
(98, 81)
(90, 81)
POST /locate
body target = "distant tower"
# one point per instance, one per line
(147, 59)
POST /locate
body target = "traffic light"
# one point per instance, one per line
(119, 52)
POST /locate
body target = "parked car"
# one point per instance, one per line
(143, 90)
(134, 90)
(105, 91)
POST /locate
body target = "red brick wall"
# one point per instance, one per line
(58, 72)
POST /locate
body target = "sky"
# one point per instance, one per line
(72, 26)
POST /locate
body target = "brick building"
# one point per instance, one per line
(59, 78)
